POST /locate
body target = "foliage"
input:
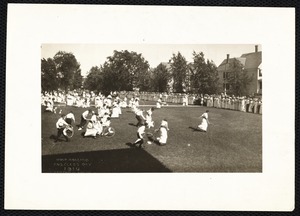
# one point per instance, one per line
(68, 70)
(160, 78)
(124, 71)
(94, 80)
(179, 68)
(238, 78)
(204, 75)
(49, 77)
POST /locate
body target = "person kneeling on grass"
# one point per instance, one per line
(163, 132)
(61, 124)
(69, 118)
(204, 123)
(84, 119)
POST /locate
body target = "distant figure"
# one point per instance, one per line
(204, 123)
(158, 103)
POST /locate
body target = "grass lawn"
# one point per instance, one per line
(233, 143)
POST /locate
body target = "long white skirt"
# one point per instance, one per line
(203, 126)
(93, 129)
(115, 112)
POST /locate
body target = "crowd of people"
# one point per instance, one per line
(124, 99)
(110, 106)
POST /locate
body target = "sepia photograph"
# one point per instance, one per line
(151, 108)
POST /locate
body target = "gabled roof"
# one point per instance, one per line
(253, 60)
(248, 60)
(223, 64)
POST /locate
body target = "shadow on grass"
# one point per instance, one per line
(53, 137)
(132, 124)
(108, 161)
(195, 129)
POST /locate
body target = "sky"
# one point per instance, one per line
(89, 55)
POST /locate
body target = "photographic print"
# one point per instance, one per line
(151, 108)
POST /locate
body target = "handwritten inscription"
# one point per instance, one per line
(71, 164)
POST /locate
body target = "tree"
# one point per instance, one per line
(238, 78)
(160, 78)
(179, 70)
(68, 69)
(204, 74)
(49, 77)
(125, 71)
(94, 79)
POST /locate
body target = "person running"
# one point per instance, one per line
(61, 124)
(204, 123)
(149, 121)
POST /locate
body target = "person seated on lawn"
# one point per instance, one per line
(140, 135)
(91, 130)
(204, 123)
(61, 124)
(163, 132)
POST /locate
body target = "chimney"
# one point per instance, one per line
(227, 60)
(256, 48)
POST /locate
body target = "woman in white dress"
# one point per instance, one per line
(163, 133)
(204, 124)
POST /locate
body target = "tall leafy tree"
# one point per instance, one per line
(204, 74)
(179, 68)
(94, 79)
(124, 71)
(49, 76)
(238, 78)
(160, 78)
(68, 69)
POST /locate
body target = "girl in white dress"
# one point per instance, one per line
(204, 124)
(163, 137)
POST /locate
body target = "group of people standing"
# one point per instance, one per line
(243, 104)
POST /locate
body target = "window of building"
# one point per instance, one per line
(260, 73)
(227, 86)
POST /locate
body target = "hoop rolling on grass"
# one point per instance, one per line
(232, 143)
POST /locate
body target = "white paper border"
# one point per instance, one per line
(29, 26)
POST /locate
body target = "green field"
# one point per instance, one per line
(233, 143)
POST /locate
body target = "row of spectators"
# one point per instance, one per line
(86, 99)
